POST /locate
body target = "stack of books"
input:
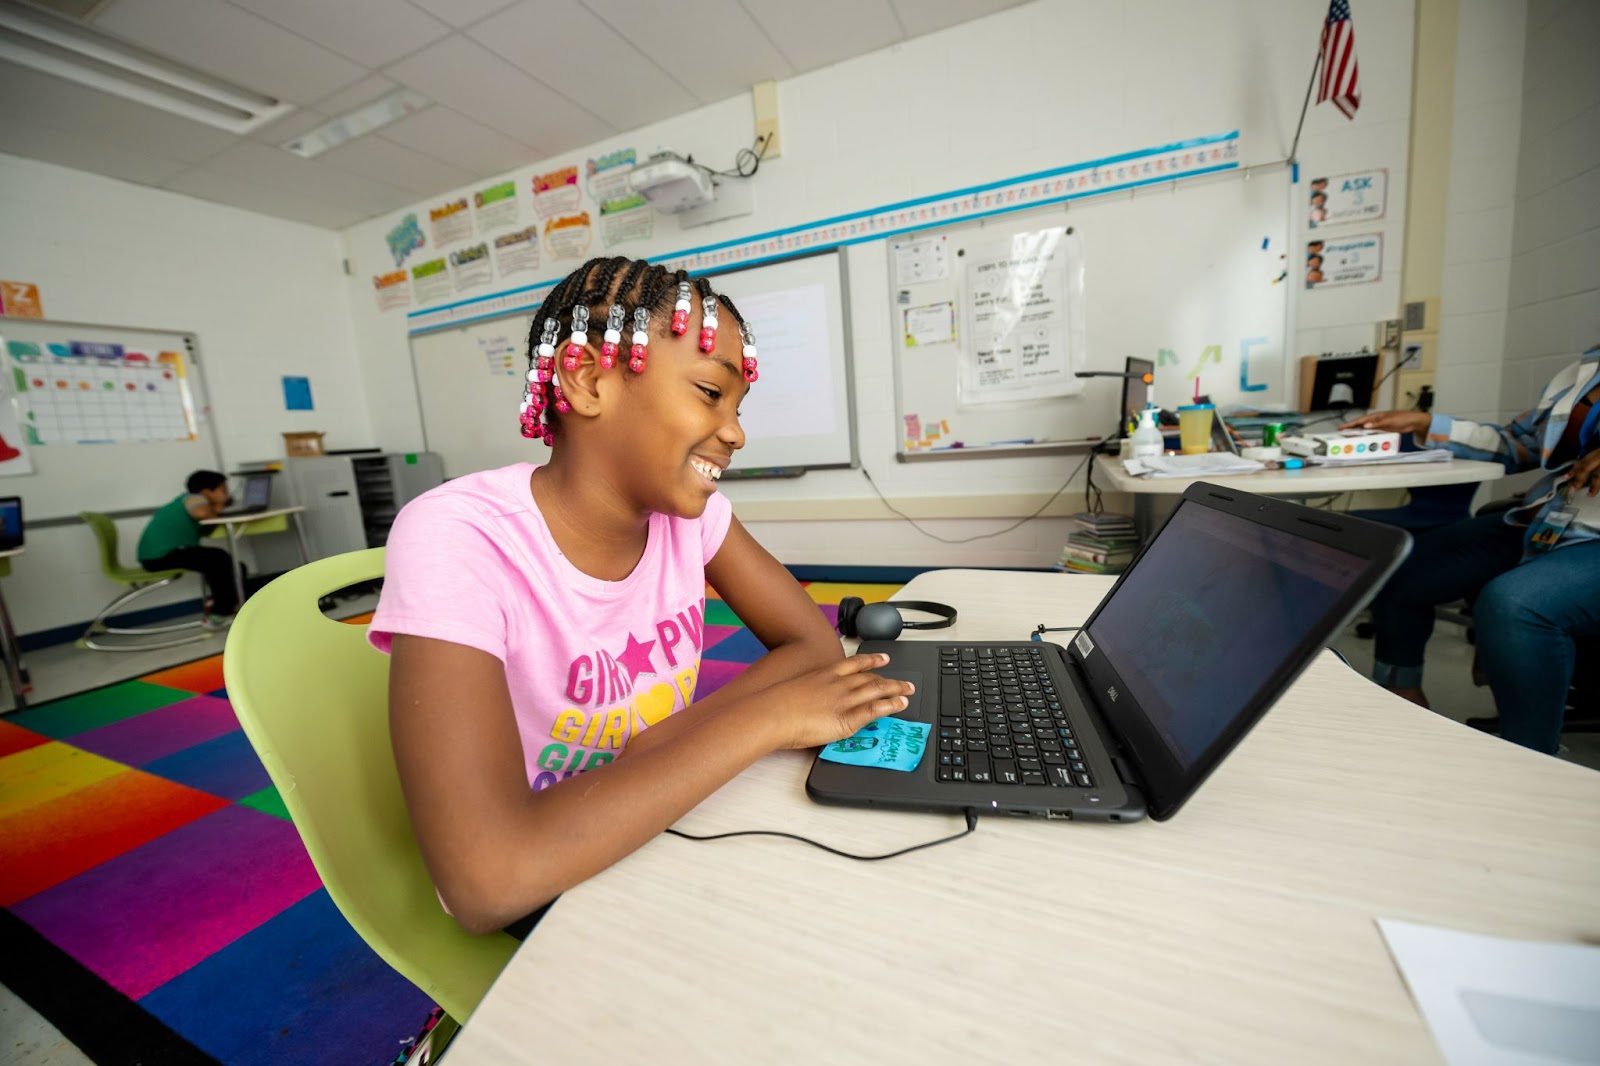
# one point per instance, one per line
(1100, 544)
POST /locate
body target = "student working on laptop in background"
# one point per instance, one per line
(171, 541)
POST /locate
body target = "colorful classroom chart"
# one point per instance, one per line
(94, 393)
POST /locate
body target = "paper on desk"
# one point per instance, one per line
(1210, 464)
(1492, 1000)
(1426, 455)
(887, 743)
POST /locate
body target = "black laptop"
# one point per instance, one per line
(257, 496)
(1221, 611)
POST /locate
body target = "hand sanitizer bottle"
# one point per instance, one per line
(1147, 441)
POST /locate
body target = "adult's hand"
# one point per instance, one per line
(1393, 421)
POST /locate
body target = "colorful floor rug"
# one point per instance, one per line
(156, 904)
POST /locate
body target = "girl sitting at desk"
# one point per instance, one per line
(171, 541)
(546, 621)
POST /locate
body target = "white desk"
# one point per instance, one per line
(236, 525)
(1239, 932)
(1307, 481)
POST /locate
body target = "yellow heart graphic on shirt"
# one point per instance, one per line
(656, 704)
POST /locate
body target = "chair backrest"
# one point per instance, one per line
(105, 531)
(312, 696)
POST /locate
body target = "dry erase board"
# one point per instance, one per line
(105, 418)
(1189, 275)
(799, 414)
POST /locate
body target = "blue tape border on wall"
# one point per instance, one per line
(1097, 177)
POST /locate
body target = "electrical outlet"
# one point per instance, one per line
(1416, 351)
(764, 96)
(1408, 386)
(1388, 335)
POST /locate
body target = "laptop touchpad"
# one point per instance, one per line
(914, 704)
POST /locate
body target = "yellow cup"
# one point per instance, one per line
(1194, 428)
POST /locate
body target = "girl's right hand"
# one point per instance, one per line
(834, 702)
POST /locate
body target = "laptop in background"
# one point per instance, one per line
(11, 534)
(1216, 616)
(257, 496)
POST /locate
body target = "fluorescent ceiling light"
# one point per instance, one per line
(68, 50)
(358, 123)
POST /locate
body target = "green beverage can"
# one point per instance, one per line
(1270, 434)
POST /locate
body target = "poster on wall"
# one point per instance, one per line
(930, 324)
(921, 259)
(1357, 197)
(502, 355)
(430, 282)
(404, 239)
(556, 193)
(14, 457)
(20, 299)
(470, 267)
(496, 206)
(1331, 262)
(97, 393)
(451, 222)
(391, 290)
(630, 218)
(608, 175)
(517, 251)
(1019, 305)
(568, 237)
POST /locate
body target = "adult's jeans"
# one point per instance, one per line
(1526, 617)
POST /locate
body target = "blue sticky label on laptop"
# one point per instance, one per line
(888, 743)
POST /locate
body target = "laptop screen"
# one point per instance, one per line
(1209, 614)
(257, 491)
(10, 522)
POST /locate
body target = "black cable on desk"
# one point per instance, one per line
(972, 823)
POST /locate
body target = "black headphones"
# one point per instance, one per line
(882, 621)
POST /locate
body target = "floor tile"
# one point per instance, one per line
(14, 738)
(90, 710)
(225, 766)
(144, 738)
(202, 675)
(48, 771)
(267, 801)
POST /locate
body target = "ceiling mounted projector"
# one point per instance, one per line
(671, 183)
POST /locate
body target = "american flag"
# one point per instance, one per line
(1340, 81)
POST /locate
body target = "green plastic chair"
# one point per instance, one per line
(312, 696)
(139, 581)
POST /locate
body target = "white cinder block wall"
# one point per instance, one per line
(1475, 289)
(1554, 302)
(265, 296)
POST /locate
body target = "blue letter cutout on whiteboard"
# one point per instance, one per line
(1244, 364)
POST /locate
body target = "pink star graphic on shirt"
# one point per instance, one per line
(636, 657)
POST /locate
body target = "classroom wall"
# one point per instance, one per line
(1554, 294)
(974, 103)
(266, 297)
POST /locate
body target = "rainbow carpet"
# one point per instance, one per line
(158, 906)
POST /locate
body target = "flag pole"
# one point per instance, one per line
(1322, 47)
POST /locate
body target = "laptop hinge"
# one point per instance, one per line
(1125, 771)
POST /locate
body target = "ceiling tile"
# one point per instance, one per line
(232, 44)
(372, 32)
(461, 12)
(236, 192)
(927, 16)
(445, 134)
(278, 169)
(89, 113)
(721, 54)
(469, 78)
(633, 91)
(395, 164)
(819, 32)
(361, 93)
(93, 154)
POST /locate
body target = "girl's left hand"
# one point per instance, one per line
(1585, 473)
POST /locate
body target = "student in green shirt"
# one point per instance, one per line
(171, 541)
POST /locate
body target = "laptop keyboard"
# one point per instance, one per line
(1002, 722)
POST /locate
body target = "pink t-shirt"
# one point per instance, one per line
(589, 663)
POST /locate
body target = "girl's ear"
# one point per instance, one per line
(582, 386)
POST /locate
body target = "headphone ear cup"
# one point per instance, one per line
(849, 607)
(878, 621)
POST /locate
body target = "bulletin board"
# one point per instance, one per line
(1191, 275)
(799, 415)
(107, 418)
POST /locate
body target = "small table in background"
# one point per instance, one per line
(1307, 481)
(237, 525)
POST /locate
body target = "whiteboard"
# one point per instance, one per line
(1188, 276)
(119, 475)
(799, 414)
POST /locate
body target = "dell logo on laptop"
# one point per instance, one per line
(1112, 692)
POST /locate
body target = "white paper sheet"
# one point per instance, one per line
(1210, 464)
(1490, 1001)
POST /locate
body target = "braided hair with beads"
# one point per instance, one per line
(605, 289)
